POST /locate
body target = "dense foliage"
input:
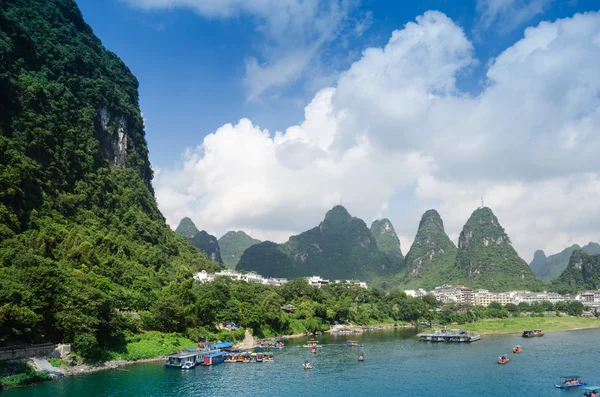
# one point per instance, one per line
(194, 308)
(19, 373)
(582, 273)
(187, 228)
(80, 232)
(487, 259)
(549, 268)
(431, 256)
(341, 247)
(233, 244)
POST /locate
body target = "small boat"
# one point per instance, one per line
(307, 365)
(503, 359)
(314, 350)
(591, 391)
(517, 349)
(312, 343)
(569, 382)
(352, 343)
(532, 333)
(361, 357)
(259, 357)
(188, 365)
(231, 358)
(268, 358)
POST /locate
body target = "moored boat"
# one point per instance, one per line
(268, 358)
(570, 382)
(214, 358)
(532, 333)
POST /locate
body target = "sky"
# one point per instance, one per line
(262, 115)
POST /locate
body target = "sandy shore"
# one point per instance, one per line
(91, 368)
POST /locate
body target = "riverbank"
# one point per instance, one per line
(516, 325)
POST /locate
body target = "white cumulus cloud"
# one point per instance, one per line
(396, 127)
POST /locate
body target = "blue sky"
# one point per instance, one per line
(191, 68)
(444, 108)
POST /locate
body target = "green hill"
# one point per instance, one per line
(80, 232)
(432, 255)
(386, 239)
(582, 272)
(486, 258)
(233, 244)
(205, 242)
(549, 268)
(187, 228)
(208, 244)
(341, 247)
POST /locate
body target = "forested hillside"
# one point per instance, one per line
(80, 232)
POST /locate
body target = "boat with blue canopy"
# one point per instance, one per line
(569, 382)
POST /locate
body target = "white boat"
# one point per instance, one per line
(188, 365)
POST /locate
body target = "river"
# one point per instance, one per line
(396, 364)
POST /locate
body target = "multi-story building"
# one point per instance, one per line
(415, 293)
(358, 283)
(589, 297)
(485, 298)
(204, 277)
(531, 297)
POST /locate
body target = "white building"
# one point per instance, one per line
(531, 297)
(317, 281)
(415, 293)
(358, 283)
(278, 282)
(204, 277)
(589, 297)
(485, 298)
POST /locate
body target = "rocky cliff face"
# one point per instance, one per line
(113, 138)
(486, 257)
(208, 244)
(432, 255)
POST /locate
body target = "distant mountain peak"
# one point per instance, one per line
(337, 213)
(187, 228)
(549, 268)
(208, 244)
(487, 258)
(386, 238)
(432, 253)
(233, 244)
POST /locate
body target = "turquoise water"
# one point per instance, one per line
(396, 364)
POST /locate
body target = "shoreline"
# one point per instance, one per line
(116, 364)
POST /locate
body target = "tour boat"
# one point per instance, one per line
(569, 382)
(532, 334)
(517, 349)
(268, 358)
(447, 335)
(503, 359)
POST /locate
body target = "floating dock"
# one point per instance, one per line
(450, 336)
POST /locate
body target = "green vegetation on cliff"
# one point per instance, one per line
(187, 228)
(80, 232)
(341, 247)
(486, 258)
(432, 255)
(386, 239)
(233, 244)
(582, 272)
(549, 268)
(208, 244)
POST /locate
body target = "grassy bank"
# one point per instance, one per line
(19, 373)
(147, 345)
(516, 325)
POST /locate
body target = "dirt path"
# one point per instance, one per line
(248, 342)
